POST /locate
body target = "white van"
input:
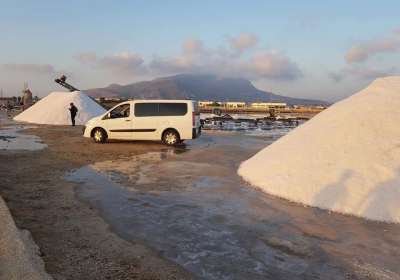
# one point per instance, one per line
(171, 121)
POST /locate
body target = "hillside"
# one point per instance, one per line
(197, 87)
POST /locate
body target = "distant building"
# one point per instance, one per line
(27, 98)
(235, 104)
(304, 107)
(108, 99)
(267, 106)
(4, 100)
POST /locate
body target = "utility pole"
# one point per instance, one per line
(270, 96)
(1, 93)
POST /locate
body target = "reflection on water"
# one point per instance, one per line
(275, 129)
(252, 126)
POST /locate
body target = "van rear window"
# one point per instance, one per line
(173, 109)
(196, 108)
(146, 109)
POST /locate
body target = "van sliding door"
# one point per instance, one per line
(145, 121)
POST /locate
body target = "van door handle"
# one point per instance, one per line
(127, 120)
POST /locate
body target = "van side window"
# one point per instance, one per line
(122, 111)
(146, 109)
(173, 109)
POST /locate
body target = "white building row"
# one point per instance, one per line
(256, 105)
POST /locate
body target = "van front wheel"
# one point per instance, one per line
(171, 138)
(99, 135)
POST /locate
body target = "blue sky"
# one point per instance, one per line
(307, 49)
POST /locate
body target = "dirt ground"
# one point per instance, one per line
(74, 240)
(79, 239)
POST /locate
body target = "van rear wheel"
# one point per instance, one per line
(99, 135)
(171, 137)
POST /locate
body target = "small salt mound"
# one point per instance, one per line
(243, 117)
(53, 109)
(346, 159)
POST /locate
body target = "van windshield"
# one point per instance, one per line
(122, 111)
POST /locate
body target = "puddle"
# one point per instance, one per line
(211, 226)
(217, 140)
(244, 129)
(10, 139)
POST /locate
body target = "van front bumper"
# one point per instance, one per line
(87, 130)
(196, 132)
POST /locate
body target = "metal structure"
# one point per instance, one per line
(62, 82)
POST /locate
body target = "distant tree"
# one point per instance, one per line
(19, 99)
(102, 99)
(15, 98)
(214, 104)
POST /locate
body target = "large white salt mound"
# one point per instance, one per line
(53, 109)
(346, 159)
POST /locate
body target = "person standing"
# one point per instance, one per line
(73, 111)
(8, 108)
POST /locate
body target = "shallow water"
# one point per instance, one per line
(11, 139)
(275, 131)
(213, 228)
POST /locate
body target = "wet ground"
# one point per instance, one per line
(141, 210)
(189, 204)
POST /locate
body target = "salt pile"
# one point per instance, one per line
(53, 109)
(19, 254)
(346, 159)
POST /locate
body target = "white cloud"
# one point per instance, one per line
(262, 65)
(272, 65)
(192, 45)
(31, 68)
(364, 73)
(362, 52)
(177, 64)
(86, 57)
(123, 63)
(369, 73)
(243, 41)
(195, 58)
(335, 76)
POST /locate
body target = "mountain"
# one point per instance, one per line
(196, 87)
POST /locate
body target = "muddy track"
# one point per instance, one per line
(74, 240)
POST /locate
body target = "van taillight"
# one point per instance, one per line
(193, 120)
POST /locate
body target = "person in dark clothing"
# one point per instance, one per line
(73, 111)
